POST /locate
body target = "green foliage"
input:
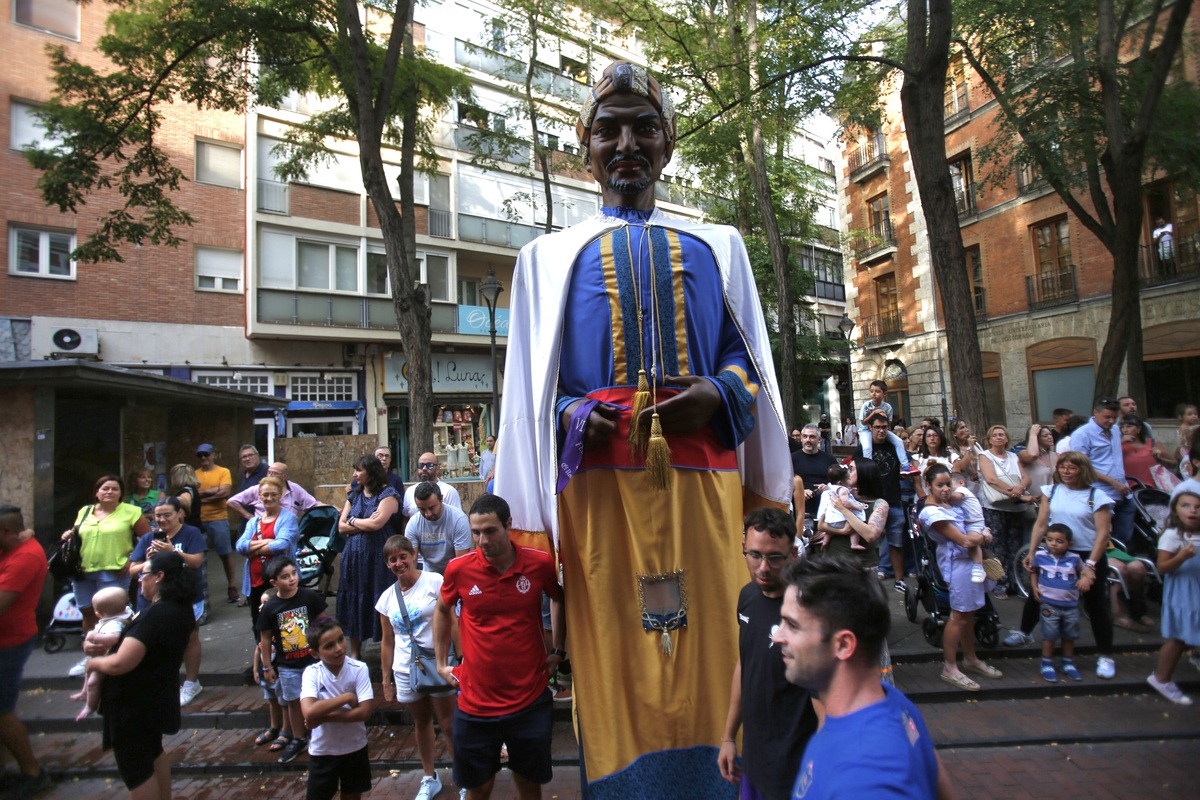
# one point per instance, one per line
(226, 55)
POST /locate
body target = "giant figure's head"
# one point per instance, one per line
(626, 128)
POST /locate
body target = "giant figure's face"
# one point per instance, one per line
(628, 150)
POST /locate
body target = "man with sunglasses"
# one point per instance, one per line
(776, 717)
(216, 485)
(428, 470)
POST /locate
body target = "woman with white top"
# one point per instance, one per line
(1004, 509)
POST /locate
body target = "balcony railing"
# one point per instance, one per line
(1055, 287)
(883, 326)
(868, 160)
(495, 231)
(1029, 181)
(441, 223)
(312, 309)
(509, 68)
(964, 199)
(880, 237)
(1155, 270)
(272, 196)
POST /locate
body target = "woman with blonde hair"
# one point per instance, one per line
(186, 486)
(1003, 491)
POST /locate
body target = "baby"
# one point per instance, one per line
(973, 523)
(112, 608)
(838, 475)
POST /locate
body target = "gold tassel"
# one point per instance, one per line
(658, 456)
(668, 647)
(641, 399)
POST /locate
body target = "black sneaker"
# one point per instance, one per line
(21, 786)
(293, 749)
(900, 586)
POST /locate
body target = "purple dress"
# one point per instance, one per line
(364, 573)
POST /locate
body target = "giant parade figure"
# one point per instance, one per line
(641, 420)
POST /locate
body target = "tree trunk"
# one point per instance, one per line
(761, 180)
(1124, 341)
(540, 153)
(922, 101)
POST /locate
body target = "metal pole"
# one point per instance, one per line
(495, 371)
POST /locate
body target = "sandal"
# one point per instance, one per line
(234, 595)
(283, 741)
(961, 681)
(982, 668)
(269, 735)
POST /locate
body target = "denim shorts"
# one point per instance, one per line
(92, 582)
(219, 536)
(289, 681)
(12, 667)
(1059, 623)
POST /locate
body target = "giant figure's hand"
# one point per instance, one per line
(688, 411)
(601, 422)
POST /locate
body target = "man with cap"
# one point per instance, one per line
(216, 485)
(658, 390)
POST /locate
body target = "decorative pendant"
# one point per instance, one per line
(662, 598)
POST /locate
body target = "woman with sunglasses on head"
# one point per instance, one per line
(140, 702)
(366, 523)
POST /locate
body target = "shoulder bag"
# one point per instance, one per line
(423, 676)
(993, 495)
(67, 562)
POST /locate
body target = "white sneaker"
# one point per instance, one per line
(430, 786)
(189, 691)
(462, 794)
(1105, 667)
(79, 668)
(1169, 690)
(977, 573)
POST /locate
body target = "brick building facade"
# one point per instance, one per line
(1041, 281)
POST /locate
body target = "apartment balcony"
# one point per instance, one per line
(882, 327)
(500, 65)
(964, 200)
(868, 160)
(1153, 270)
(441, 223)
(316, 310)
(495, 231)
(1053, 288)
(879, 241)
(272, 196)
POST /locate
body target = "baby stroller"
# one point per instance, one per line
(318, 547)
(931, 591)
(66, 619)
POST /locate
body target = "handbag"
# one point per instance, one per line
(423, 676)
(993, 495)
(67, 562)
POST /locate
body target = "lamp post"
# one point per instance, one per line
(846, 326)
(491, 289)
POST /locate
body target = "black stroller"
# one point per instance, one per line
(932, 592)
(318, 547)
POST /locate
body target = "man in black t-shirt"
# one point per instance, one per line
(776, 717)
(891, 462)
(810, 465)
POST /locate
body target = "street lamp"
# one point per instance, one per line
(491, 289)
(846, 326)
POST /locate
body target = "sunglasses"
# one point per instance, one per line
(423, 465)
(204, 455)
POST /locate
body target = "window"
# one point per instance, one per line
(1053, 242)
(326, 387)
(377, 274)
(1028, 178)
(962, 180)
(548, 141)
(468, 292)
(479, 118)
(26, 131)
(218, 164)
(218, 269)
(41, 253)
(879, 218)
(885, 295)
(252, 382)
(53, 16)
(325, 266)
(956, 89)
(435, 271)
(975, 275)
(826, 267)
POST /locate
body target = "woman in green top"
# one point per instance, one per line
(142, 492)
(107, 531)
(867, 485)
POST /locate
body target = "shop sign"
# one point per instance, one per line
(453, 373)
(476, 321)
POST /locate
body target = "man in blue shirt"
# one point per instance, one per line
(874, 743)
(1102, 445)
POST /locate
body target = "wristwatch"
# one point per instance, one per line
(558, 652)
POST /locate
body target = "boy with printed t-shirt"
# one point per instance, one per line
(283, 621)
(1056, 570)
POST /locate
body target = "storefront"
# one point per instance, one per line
(462, 404)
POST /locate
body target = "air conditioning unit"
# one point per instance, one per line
(58, 341)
